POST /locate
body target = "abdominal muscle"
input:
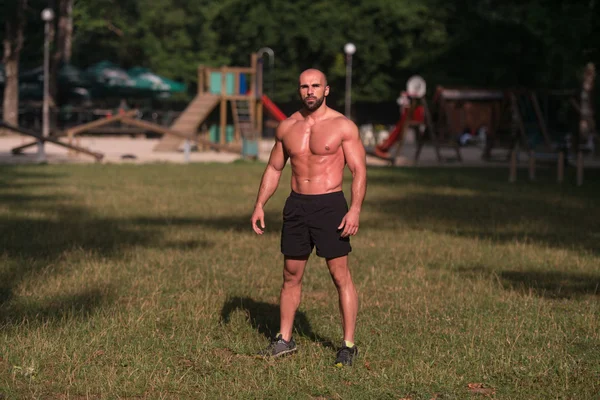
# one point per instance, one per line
(317, 174)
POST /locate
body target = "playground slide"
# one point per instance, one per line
(416, 115)
(382, 149)
(272, 109)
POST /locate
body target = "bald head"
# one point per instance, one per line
(313, 74)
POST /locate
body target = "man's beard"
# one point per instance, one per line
(312, 107)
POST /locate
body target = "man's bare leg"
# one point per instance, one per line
(338, 268)
(291, 292)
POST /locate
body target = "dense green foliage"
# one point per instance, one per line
(468, 42)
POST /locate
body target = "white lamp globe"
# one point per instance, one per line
(350, 48)
(47, 15)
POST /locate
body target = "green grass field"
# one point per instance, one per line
(146, 282)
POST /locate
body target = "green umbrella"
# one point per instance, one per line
(70, 75)
(108, 74)
(108, 79)
(157, 83)
(111, 80)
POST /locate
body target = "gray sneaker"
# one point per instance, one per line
(278, 347)
(346, 355)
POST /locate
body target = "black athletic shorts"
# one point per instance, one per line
(311, 220)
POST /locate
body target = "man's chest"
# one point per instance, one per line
(312, 139)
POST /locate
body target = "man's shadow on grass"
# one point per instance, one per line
(264, 317)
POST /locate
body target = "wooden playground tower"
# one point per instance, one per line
(241, 87)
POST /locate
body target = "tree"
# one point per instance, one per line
(63, 45)
(532, 43)
(14, 27)
(65, 30)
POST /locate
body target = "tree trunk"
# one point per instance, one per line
(68, 31)
(13, 43)
(10, 108)
(62, 52)
(64, 32)
(587, 123)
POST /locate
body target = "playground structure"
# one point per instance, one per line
(545, 142)
(511, 119)
(39, 138)
(127, 118)
(241, 87)
(415, 114)
(411, 116)
(461, 111)
(550, 125)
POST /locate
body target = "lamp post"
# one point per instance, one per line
(269, 51)
(47, 17)
(349, 49)
(271, 54)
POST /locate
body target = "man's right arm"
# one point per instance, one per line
(269, 181)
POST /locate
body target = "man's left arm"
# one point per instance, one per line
(354, 152)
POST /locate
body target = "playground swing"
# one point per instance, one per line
(530, 127)
(476, 111)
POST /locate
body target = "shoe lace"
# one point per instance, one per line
(344, 353)
(278, 340)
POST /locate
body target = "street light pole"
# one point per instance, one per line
(47, 17)
(349, 49)
(271, 54)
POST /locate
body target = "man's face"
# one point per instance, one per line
(312, 89)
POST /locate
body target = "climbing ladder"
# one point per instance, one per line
(243, 118)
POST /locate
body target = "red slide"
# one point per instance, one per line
(272, 109)
(394, 134)
(418, 115)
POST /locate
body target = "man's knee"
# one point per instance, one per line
(342, 279)
(293, 271)
(340, 273)
(291, 279)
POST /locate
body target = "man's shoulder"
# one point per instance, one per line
(344, 123)
(291, 120)
(287, 123)
(339, 118)
(295, 117)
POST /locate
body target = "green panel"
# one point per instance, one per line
(249, 148)
(215, 83)
(214, 133)
(229, 133)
